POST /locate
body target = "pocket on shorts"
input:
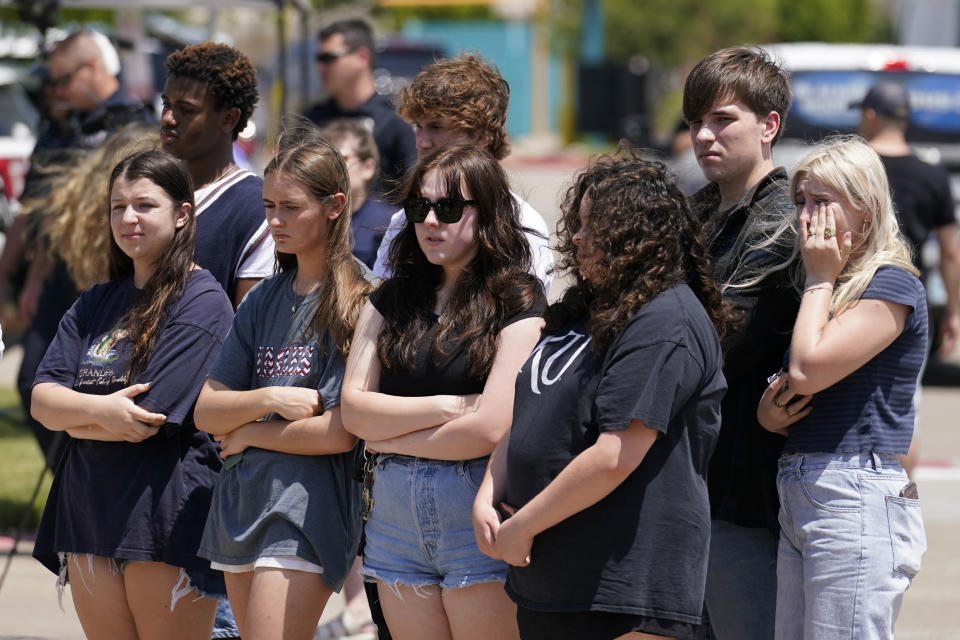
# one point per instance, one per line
(836, 490)
(472, 471)
(907, 536)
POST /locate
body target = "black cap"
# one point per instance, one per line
(889, 99)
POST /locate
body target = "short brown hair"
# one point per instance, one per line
(747, 74)
(342, 129)
(466, 90)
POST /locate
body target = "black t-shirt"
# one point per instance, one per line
(449, 373)
(135, 500)
(643, 548)
(921, 193)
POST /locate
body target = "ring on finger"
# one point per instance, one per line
(827, 233)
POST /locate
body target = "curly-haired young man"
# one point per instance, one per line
(735, 101)
(464, 99)
(210, 93)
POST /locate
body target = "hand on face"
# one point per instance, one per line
(824, 254)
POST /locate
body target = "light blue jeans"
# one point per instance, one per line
(849, 546)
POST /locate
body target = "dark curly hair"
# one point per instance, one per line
(495, 286)
(646, 241)
(230, 76)
(466, 90)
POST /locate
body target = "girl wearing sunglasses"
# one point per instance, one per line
(429, 386)
(285, 521)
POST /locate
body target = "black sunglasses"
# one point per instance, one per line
(326, 57)
(448, 210)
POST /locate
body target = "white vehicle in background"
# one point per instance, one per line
(826, 78)
(18, 122)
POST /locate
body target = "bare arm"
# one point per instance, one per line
(824, 350)
(318, 435)
(240, 289)
(950, 272)
(61, 409)
(220, 409)
(476, 434)
(493, 489)
(589, 478)
(373, 416)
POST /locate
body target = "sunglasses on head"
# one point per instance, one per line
(326, 57)
(447, 210)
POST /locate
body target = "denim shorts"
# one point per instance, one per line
(420, 530)
(850, 545)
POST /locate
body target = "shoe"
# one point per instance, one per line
(347, 627)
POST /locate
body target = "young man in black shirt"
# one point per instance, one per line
(345, 61)
(735, 101)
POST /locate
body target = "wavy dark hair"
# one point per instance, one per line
(169, 279)
(494, 286)
(647, 239)
(305, 157)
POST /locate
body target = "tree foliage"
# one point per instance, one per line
(674, 32)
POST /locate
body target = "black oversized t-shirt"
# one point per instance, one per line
(921, 194)
(143, 500)
(447, 374)
(643, 548)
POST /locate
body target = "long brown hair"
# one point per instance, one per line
(305, 157)
(493, 287)
(169, 278)
(647, 239)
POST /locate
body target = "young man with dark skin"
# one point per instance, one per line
(921, 193)
(345, 61)
(209, 94)
(735, 102)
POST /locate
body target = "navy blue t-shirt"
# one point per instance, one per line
(367, 225)
(643, 548)
(872, 408)
(143, 500)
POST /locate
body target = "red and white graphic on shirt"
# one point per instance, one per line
(288, 361)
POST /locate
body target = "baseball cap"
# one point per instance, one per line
(889, 99)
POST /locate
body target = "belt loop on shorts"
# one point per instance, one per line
(877, 464)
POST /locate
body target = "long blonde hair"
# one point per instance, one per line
(72, 209)
(305, 157)
(849, 166)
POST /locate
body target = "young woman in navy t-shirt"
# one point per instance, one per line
(131, 493)
(851, 531)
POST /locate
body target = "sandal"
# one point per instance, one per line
(347, 627)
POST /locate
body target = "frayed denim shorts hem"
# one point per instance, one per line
(201, 582)
(446, 583)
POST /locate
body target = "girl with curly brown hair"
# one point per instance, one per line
(429, 386)
(598, 497)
